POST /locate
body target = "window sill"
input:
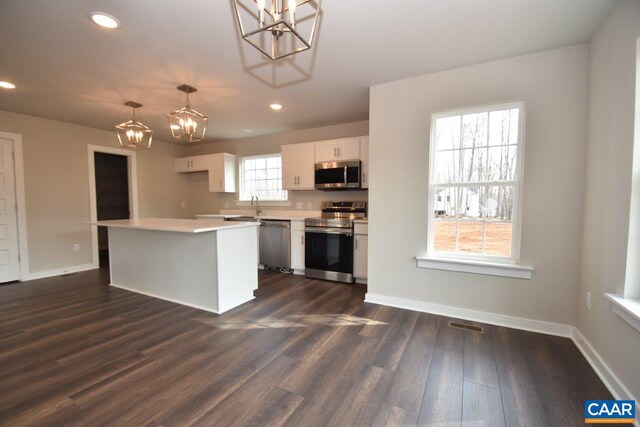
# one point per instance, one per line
(626, 308)
(264, 203)
(465, 266)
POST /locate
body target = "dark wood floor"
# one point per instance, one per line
(74, 351)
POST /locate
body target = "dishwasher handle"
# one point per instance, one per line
(275, 224)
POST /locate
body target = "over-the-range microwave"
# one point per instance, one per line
(337, 175)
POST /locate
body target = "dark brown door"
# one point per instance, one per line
(112, 195)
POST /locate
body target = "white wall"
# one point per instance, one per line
(609, 177)
(57, 187)
(553, 86)
(202, 202)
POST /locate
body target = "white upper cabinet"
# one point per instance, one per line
(289, 166)
(364, 159)
(298, 162)
(222, 173)
(306, 166)
(338, 149)
(349, 149)
(191, 164)
(221, 168)
(326, 151)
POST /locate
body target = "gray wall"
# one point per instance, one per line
(553, 86)
(608, 189)
(57, 187)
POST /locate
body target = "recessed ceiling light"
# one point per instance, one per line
(248, 130)
(276, 107)
(7, 85)
(105, 20)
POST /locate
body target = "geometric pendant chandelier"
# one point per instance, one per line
(273, 26)
(187, 124)
(132, 134)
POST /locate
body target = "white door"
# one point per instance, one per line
(349, 149)
(289, 166)
(326, 151)
(306, 166)
(9, 260)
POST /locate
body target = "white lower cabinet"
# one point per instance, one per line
(360, 249)
(297, 246)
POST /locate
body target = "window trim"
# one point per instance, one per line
(517, 217)
(241, 201)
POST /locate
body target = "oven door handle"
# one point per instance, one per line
(348, 232)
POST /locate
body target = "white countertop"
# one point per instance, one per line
(362, 221)
(176, 225)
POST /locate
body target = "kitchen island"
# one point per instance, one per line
(206, 264)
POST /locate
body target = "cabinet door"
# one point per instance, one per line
(360, 244)
(182, 164)
(229, 172)
(216, 174)
(306, 166)
(289, 166)
(349, 149)
(364, 158)
(297, 250)
(198, 163)
(326, 151)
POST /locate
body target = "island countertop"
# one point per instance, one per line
(175, 225)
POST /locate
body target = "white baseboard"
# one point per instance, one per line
(610, 380)
(548, 328)
(298, 272)
(60, 271)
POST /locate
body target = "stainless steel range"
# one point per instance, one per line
(329, 241)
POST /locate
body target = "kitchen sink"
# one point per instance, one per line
(243, 219)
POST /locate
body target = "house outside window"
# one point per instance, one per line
(475, 183)
(262, 176)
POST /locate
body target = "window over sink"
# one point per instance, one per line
(262, 176)
(475, 179)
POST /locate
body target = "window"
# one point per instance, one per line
(262, 176)
(474, 185)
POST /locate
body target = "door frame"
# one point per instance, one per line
(132, 172)
(18, 176)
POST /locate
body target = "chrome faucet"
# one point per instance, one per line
(258, 210)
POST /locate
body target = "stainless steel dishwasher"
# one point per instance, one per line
(275, 243)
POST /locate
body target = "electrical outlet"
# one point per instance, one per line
(298, 205)
(76, 247)
(588, 301)
(309, 205)
(184, 205)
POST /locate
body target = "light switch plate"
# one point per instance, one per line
(588, 301)
(184, 205)
(76, 247)
(298, 205)
(309, 205)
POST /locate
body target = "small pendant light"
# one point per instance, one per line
(187, 124)
(132, 134)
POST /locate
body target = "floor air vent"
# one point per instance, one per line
(465, 327)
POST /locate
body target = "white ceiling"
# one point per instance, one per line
(68, 69)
